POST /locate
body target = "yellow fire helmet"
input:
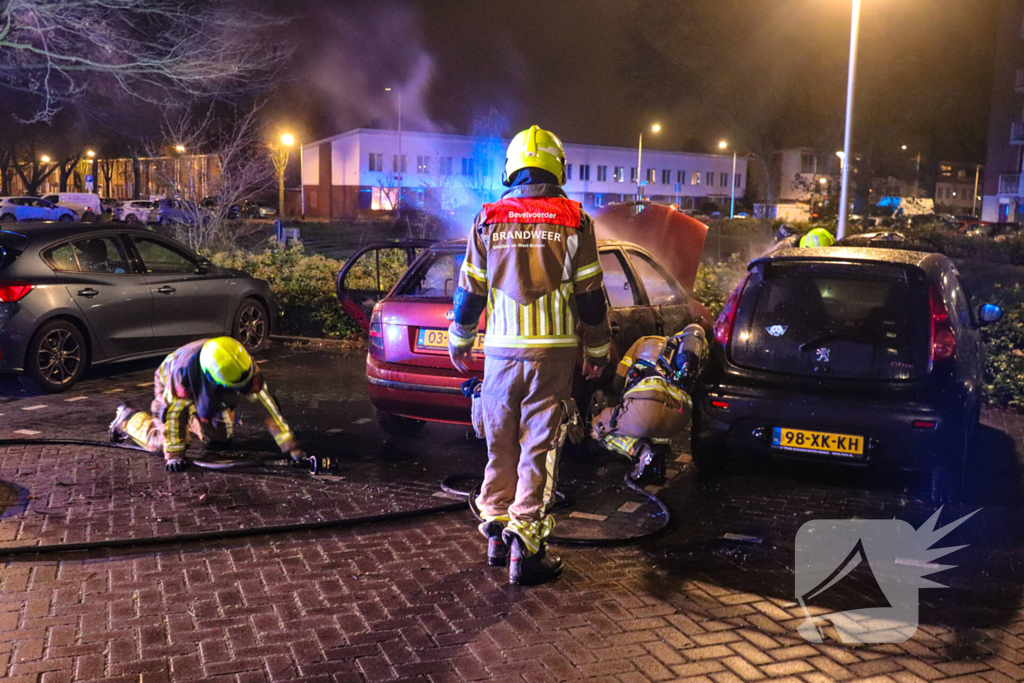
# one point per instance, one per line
(226, 362)
(819, 237)
(536, 148)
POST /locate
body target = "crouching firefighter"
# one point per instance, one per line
(532, 260)
(654, 380)
(197, 390)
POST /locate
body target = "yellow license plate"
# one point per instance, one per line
(438, 339)
(804, 441)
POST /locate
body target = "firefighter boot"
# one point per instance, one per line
(531, 570)
(650, 464)
(116, 430)
(497, 549)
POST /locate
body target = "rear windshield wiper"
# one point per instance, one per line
(844, 336)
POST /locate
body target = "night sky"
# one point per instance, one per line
(574, 66)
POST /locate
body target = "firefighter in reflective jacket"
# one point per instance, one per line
(654, 378)
(197, 389)
(532, 260)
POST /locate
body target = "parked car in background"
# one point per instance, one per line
(110, 205)
(996, 231)
(180, 212)
(865, 357)
(80, 295)
(32, 209)
(86, 205)
(136, 211)
(406, 313)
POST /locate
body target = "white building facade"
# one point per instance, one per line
(362, 170)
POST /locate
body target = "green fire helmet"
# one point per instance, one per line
(819, 237)
(535, 148)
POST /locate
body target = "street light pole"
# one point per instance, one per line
(974, 197)
(639, 158)
(399, 169)
(732, 191)
(848, 154)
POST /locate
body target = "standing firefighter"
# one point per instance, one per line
(532, 260)
(197, 389)
(654, 379)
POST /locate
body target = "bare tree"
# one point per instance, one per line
(152, 49)
(226, 159)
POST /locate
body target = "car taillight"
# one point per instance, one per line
(376, 334)
(943, 339)
(727, 318)
(14, 291)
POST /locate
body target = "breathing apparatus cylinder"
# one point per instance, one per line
(692, 349)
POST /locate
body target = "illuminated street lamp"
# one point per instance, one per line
(850, 77)
(732, 192)
(180, 149)
(91, 154)
(656, 128)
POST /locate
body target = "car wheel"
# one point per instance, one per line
(56, 357)
(131, 218)
(252, 325)
(65, 218)
(8, 218)
(396, 425)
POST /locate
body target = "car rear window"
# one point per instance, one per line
(854, 321)
(11, 246)
(435, 276)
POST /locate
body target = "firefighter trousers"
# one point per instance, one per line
(523, 411)
(148, 431)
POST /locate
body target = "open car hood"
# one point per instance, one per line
(675, 238)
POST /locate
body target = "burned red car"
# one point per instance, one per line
(406, 311)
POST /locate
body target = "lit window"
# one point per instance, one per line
(620, 174)
(423, 164)
(383, 198)
(947, 170)
(695, 178)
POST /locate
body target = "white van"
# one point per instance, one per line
(85, 204)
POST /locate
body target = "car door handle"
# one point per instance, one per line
(166, 290)
(88, 292)
(615, 328)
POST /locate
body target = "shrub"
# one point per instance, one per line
(303, 286)
(716, 281)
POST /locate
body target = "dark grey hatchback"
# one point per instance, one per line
(861, 356)
(78, 295)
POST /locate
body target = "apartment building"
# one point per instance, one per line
(362, 171)
(1003, 187)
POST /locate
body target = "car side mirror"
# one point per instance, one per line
(989, 313)
(204, 267)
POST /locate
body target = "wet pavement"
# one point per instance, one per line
(712, 599)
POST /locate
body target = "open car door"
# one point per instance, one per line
(371, 272)
(677, 239)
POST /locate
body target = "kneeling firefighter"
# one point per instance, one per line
(197, 389)
(655, 379)
(532, 260)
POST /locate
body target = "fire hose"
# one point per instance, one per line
(315, 465)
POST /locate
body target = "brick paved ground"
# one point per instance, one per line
(710, 601)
